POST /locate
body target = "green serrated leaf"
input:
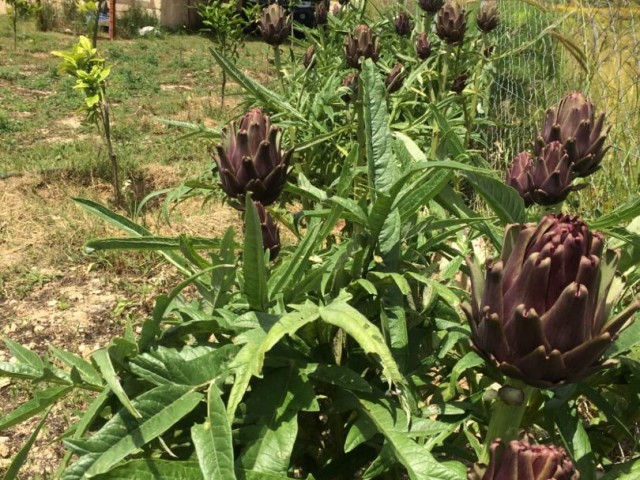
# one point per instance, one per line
(40, 401)
(160, 408)
(212, 440)
(21, 456)
(501, 198)
(103, 361)
(254, 270)
(383, 170)
(155, 469)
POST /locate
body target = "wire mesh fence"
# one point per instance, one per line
(548, 48)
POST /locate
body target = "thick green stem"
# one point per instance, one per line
(276, 54)
(444, 73)
(506, 418)
(362, 139)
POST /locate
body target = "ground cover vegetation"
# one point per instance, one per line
(388, 304)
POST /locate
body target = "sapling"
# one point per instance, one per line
(224, 26)
(19, 9)
(90, 71)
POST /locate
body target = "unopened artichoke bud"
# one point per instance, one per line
(395, 79)
(573, 123)
(351, 83)
(522, 461)
(251, 159)
(270, 232)
(309, 56)
(488, 16)
(546, 180)
(459, 83)
(403, 24)
(322, 14)
(361, 44)
(451, 23)
(431, 6)
(275, 25)
(519, 177)
(423, 47)
(541, 314)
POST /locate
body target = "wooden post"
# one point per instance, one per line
(112, 19)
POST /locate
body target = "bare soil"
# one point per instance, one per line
(51, 293)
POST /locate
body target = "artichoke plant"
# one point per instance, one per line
(275, 25)
(395, 79)
(362, 43)
(309, 56)
(573, 123)
(459, 83)
(488, 17)
(350, 82)
(252, 161)
(542, 313)
(545, 180)
(423, 47)
(522, 461)
(451, 23)
(270, 232)
(403, 24)
(431, 6)
(322, 14)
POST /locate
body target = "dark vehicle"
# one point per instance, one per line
(303, 10)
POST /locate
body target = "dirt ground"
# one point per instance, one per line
(51, 293)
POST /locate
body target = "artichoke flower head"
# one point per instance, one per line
(403, 24)
(431, 6)
(522, 461)
(488, 17)
(275, 25)
(423, 46)
(542, 313)
(251, 160)
(451, 23)
(573, 123)
(361, 44)
(545, 180)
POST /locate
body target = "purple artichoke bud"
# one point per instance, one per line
(459, 83)
(488, 16)
(309, 56)
(423, 47)
(270, 232)
(518, 176)
(545, 180)
(403, 24)
(395, 79)
(573, 123)
(521, 461)
(451, 23)
(350, 82)
(542, 315)
(362, 43)
(251, 159)
(431, 6)
(322, 14)
(275, 25)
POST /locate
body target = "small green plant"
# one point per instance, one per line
(91, 9)
(224, 26)
(90, 71)
(19, 9)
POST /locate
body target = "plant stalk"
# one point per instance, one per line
(276, 54)
(506, 418)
